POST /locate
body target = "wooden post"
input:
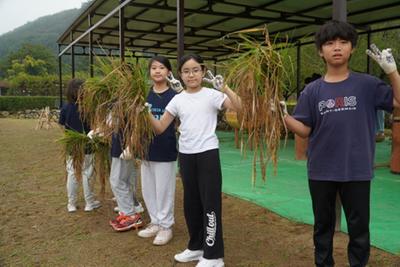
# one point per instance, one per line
(338, 210)
(395, 160)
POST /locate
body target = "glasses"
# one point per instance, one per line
(195, 71)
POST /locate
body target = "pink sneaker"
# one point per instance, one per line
(126, 223)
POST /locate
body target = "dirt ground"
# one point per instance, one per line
(36, 229)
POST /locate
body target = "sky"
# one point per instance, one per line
(15, 13)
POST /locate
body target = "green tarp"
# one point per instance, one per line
(287, 193)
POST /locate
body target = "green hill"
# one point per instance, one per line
(44, 31)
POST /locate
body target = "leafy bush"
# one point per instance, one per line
(17, 103)
(25, 84)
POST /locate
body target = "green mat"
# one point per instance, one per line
(287, 193)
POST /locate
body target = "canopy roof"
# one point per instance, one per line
(151, 25)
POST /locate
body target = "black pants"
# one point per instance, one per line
(202, 182)
(355, 197)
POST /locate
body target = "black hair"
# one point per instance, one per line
(163, 60)
(334, 29)
(73, 88)
(188, 57)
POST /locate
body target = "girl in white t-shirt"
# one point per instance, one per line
(197, 109)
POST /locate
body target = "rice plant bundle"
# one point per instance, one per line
(96, 98)
(101, 149)
(137, 127)
(256, 72)
(75, 146)
(129, 94)
(121, 93)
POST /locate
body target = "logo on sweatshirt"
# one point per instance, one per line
(211, 229)
(337, 104)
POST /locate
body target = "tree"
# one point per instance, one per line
(36, 53)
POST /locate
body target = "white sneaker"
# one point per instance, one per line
(71, 208)
(94, 205)
(189, 255)
(163, 236)
(150, 231)
(139, 208)
(211, 262)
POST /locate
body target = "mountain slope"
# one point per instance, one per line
(44, 31)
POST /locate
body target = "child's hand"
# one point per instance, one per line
(216, 81)
(175, 84)
(147, 107)
(126, 154)
(385, 58)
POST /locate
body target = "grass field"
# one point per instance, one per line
(36, 230)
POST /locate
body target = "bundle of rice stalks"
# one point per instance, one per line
(122, 94)
(256, 72)
(137, 130)
(101, 149)
(76, 145)
(96, 98)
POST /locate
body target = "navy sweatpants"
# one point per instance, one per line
(355, 198)
(202, 183)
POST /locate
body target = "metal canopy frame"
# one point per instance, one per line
(173, 27)
(154, 26)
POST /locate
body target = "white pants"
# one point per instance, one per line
(158, 189)
(123, 184)
(72, 183)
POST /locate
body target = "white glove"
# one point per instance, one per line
(90, 134)
(95, 132)
(216, 81)
(126, 154)
(148, 106)
(385, 58)
(175, 84)
(272, 106)
(109, 119)
(284, 108)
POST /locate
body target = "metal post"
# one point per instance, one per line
(72, 56)
(122, 34)
(60, 77)
(90, 47)
(298, 70)
(180, 31)
(369, 62)
(339, 11)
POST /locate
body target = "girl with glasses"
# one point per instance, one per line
(197, 109)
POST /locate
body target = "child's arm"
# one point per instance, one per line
(294, 125)
(297, 127)
(162, 124)
(386, 61)
(233, 101)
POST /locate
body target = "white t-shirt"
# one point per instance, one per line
(198, 115)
